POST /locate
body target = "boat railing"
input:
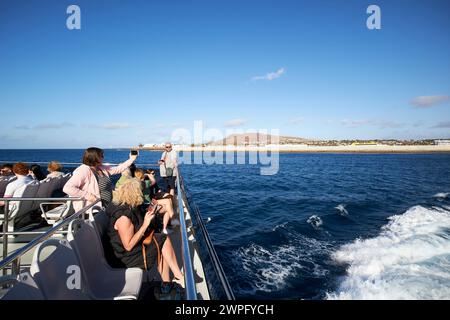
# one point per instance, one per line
(14, 258)
(191, 292)
(218, 269)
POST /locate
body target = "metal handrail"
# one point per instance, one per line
(40, 199)
(6, 233)
(215, 259)
(79, 163)
(191, 292)
(20, 252)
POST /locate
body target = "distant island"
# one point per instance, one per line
(265, 142)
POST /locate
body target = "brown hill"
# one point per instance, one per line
(257, 139)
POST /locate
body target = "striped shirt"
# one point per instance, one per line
(105, 187)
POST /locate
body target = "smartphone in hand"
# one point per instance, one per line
(134, 152)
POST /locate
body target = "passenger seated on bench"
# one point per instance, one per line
(36, 172)
(129, 173)
(6, 170)
(21, 170)
(54, 169)
(128, 229)
(152, 193)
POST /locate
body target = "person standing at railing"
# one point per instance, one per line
(92, 181)
(168, 167)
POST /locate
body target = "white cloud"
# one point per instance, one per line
(419, 123)
(382, 124)
(22, 127)
(442, 125)
(235, 122)
(270, 76)
(428, 101)
(355, 123)
(45, 126)
(297, 120)
(115, 126)
(159, 126)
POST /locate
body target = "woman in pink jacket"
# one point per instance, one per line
(91, 180)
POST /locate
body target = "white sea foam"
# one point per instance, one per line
(315, 221)
(283, 225)
(342, 210)
(269, 269)
(442, 195)
(410, 259)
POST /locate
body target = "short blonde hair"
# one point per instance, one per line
(54, 166)
(130, 193)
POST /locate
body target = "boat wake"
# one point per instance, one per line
(441, 195)
(270, 269)
(410, 259)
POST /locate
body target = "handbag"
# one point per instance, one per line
(147, 242)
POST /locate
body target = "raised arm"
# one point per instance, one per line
(121, 167)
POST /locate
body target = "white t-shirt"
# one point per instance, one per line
(171, 161)
(16, 184)
(55, 174)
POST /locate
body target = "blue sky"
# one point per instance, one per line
(137, 70)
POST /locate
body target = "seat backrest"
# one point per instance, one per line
(58, 274)
(64, 178)
(43, 191)
(19, 208)
(4, 182)
(86, 243)
(55, 184)
(83, 238)
(25, 288)
(101, 226)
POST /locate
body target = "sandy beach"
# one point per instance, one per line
(317, 149)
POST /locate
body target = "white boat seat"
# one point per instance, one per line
(103, 281)
(54, 215)
(58, 275)
(23, 287)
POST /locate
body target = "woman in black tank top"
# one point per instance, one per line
(128, 230)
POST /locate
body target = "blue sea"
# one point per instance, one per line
(326, 226)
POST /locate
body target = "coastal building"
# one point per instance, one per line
(442, 142)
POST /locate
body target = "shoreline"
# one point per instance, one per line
(313, 149)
